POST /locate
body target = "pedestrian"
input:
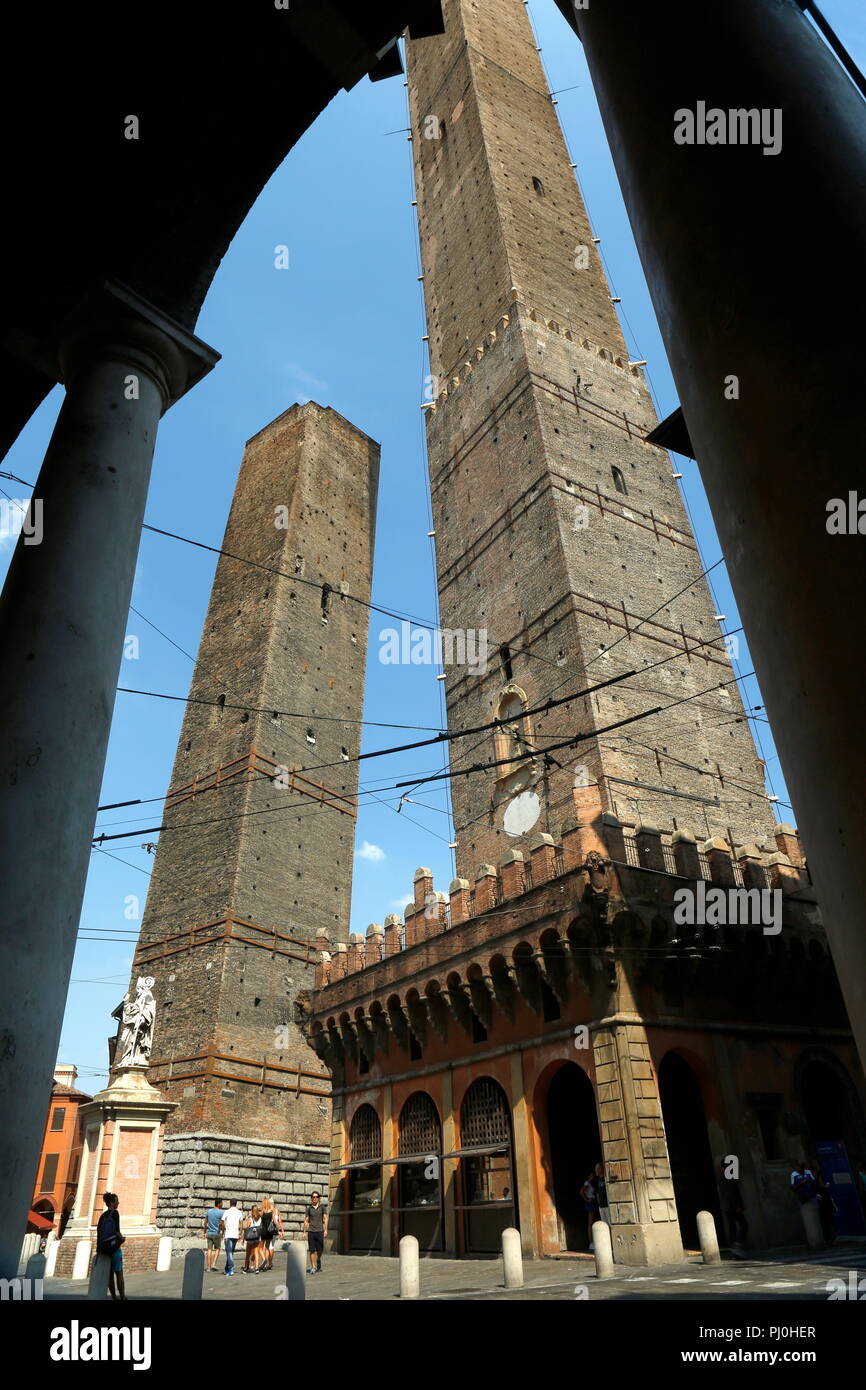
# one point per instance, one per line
(590, 1203)
(803, 1184)
(826, 1207)
(252, 1237)
(315, 1229)
(600, 1185)
(230, 1229)
(109, 1242)
(213, 1217)
(733, 1208)
(271, 1229)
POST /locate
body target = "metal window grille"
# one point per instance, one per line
(484, 1117)
(420, 1131)
(366, 1135)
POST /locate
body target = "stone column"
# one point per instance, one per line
(63, 618)
(389, 1140)
(448, 1175)
(523, 1159)
(730, 254)
(338, 1179)
(643, 1217)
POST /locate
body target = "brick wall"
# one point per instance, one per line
(247, 871)
(536, 406)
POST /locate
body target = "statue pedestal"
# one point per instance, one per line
(123, 1133)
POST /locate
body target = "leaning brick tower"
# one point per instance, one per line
(254, 866)
(559, 529)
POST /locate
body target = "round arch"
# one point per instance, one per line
(364, 1180)
(419, 1172)
(689, 1152)
(569, 1144)
(486, 1198)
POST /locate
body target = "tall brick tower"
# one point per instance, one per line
(256, 858)
(558, 528)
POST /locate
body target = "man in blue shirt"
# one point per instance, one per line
(212, 1232)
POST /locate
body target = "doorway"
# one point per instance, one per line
(575, 1148)
(689, 1151)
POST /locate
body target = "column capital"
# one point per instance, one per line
(112, 319)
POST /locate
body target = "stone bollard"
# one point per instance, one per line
(708, 1239)
(193, 1274)
(163, 1255)
(81, 1261)
(35, 1270)
(51, 1250)
(410, 1274)
(512, 1258)
(602, 1250)
(97, 1288)
(29, 1246)
(812, 1223)
(296, 1271)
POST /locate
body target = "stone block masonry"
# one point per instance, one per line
(255, 857)
(201, 1166)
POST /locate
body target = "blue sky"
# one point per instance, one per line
(342, 326)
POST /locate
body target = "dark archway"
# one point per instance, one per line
(834, 1135)
(689, 1150)
(575, 1148)
(827, 1106)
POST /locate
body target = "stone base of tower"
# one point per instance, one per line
(200, 1166)
(647, 1244)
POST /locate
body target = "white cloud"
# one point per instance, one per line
(370, 852)
(299, 373)
(398, 904)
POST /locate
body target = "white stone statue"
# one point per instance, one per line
(135, 1035)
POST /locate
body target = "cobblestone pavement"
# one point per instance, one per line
(782, 1276)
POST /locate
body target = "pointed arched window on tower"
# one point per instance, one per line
(538, 186)
(619, 480)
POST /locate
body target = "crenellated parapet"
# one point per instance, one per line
(553, 914)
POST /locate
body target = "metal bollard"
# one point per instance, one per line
(709, 1241)
(512, 1258)
(296, 1271)
(410, 1274)
(602, 1250)
(193, 1274)
(97, 1287)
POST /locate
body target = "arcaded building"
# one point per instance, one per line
(551, 1015)
(549, 1012)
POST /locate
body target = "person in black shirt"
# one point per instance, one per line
(315, 1229)
(109, 1242)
